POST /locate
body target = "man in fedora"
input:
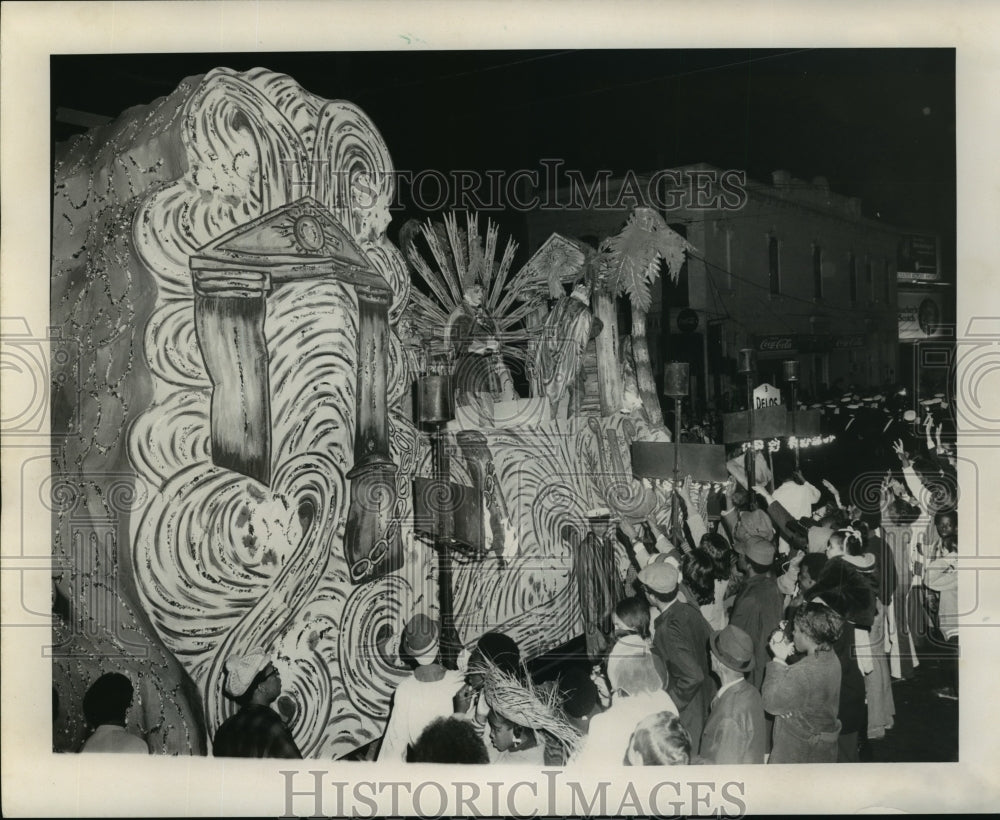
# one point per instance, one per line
(680, 640)
(758, 608)
(736, 728)
(425, 695)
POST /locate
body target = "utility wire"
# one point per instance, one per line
(527, 103)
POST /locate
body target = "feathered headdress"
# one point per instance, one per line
(460, 258)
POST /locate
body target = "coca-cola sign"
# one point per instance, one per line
(776, 343)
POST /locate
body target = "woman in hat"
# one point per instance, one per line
(736, 728)
(423, 696)
(492, 648)
(742, 519)
(526, 722)
(804, 697)
(256, 730)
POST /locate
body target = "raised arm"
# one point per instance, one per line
(696, 524)
(790, 529)
(834, 493)
(913, 483)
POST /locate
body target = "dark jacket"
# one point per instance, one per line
(807, 693)
(788, 527)
(736, 730)
(885, 567)
(255, 731)
(844, 589)
(757, 610)
(680, 640)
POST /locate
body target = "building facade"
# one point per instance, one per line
(790, 269)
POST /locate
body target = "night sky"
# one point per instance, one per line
(877, 123)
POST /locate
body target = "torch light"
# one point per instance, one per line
(676, 380)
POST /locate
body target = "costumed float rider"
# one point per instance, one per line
(559, 356)
(473, 336)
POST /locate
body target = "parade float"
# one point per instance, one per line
(273, 428)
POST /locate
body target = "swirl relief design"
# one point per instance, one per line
(210, 561)
(223, 563)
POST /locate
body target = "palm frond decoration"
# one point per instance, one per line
(629, 263)
(460, 257)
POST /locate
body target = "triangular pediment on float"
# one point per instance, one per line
(298, 240)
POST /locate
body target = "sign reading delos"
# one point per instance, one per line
(766, 395)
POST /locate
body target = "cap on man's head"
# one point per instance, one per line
(660, 576)
(757, 550)
(242, 669)
(420, 635)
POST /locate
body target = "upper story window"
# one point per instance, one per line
(773, 265)
(817, 272)
(887, 282)
(870, 280)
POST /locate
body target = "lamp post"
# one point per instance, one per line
(791, 371)
(746, 367)
(434, 411)
(676, 380)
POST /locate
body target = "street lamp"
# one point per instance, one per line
(791, 370)
(676, 381)
(746, 367)
(434, 410)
